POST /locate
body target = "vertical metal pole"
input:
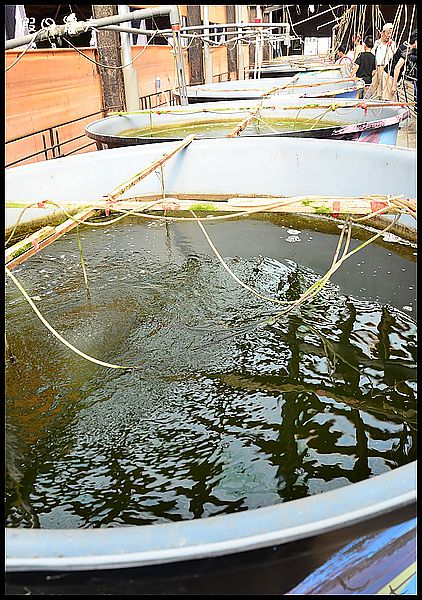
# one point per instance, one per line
(258, 50)
(240, 57)
(271, 49)
(130, 75)
(208, 70)
(180, 68)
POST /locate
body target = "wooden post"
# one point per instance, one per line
(252, 17)
(231, 52)
(109, 53)
(266, 49)
(195, 51)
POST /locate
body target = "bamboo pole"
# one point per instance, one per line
(327, 81)
(30, 242)
(123, 187)
(192, 110)
(16, 254)
(294, 204)
(243, 124)
(88, 294)
(280, 87)
(15, 258)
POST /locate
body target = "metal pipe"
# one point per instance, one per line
(80, 26)
(226, 25)
(134, 30)
(130, 75)
(166, 32)
(208, 69)
(329, 23)
(180, 67)
(240, 57)
(318, 14)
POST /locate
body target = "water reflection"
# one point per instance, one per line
(227, 412)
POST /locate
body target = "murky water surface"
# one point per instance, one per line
(226, 412)
(206, 129)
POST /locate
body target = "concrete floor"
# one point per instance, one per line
(408, 133)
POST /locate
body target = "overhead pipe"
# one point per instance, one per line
(74, 28)
(318, 14)
(130, 75)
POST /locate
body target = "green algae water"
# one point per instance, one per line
(213, 129)
(227, 412)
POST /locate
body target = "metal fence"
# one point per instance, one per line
(54, 139)
(221, 77)
(55, 142)
(166, 97)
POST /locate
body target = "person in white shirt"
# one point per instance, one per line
(383, 50)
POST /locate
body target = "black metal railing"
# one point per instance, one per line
(166, 97)
(53, 145)
(221, 77)
(54, 140)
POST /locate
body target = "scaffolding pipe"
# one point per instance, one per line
(240, 57)
(130, 75)
(208, 69)
(237, 24)
(180, 67)
(75, 28)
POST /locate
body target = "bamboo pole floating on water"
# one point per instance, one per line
(364, 205)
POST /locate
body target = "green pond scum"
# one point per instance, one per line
(231, 408)
(211, 128)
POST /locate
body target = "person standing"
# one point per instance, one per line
(357, 47)
(344, 60)
(405, 55)
(365, 63)
(383, 50)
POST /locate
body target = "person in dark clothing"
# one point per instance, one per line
(405, 55)
(365, 63)
(342, 55)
